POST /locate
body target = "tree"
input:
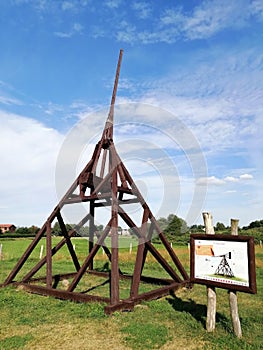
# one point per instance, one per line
(23, 231)
(256, 224)
(83, 231)
(220, 226)
(184, 227)
(99, 228)
(163, 223)
(56, 230)
(176, 227)
(33, 230)
(197, 228)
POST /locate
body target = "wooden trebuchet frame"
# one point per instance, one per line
(104, 182)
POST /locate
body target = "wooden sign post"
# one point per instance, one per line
(232, 294)
(211, 293)
(223, 261)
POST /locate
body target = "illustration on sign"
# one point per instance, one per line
(221, 261)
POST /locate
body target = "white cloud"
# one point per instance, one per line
(6, 95)
(175, 23)
(127, 32)
(143, 9)
(213, 123)
(212, 16)
(256, 8)
(246, 177)
(98, 32)
(52, 108)
(220, 100)
(210, 180)
(9, 101)
(77, 28)
(28, 152)
(231, 179)
(172, 16)
(63, 34)
(113, 4)
(203, 21)
(213, 180)
(67, 5)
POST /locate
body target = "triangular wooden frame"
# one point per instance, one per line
(112, 187)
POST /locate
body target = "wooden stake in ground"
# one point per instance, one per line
(232, 294)
(41, 251)
(211, 293)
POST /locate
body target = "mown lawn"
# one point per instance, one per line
(174, 322)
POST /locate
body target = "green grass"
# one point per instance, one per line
(15, 342)
(177, 321)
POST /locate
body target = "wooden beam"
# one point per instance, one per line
(49, 255)
(139, 257)
(211, 292)
(55, 249)
(91, 232)
(89, 258)
(128, 304)
(68, 241)
(25, 256)
(62, 294)
(150, 247)
(232, 294)
(114, 277)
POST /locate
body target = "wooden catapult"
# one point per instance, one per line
(104, 182)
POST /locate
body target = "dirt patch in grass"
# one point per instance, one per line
(176, 344)
(76, 336)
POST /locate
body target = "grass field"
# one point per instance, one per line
(174, 322)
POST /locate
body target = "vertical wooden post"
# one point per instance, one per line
(208, 222)
(114, 280)
(140, 256)
(234, 227)
(49, 255)
(211, 293)
(91, 231)
(232, 294)
(41, 251)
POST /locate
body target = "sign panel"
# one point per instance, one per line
(223, 261)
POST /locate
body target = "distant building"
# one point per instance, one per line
(121, 232)
(125, 232)
(7, 227)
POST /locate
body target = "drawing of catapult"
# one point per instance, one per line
(224, 268)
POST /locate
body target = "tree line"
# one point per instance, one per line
(175, 229)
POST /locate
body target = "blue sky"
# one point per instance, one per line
(189, 122)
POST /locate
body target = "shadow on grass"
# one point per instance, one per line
(198, 311)
(97, 286)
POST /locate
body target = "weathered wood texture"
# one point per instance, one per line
(232, 294)
(211, 293)
(211, 309)
(208, 222)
